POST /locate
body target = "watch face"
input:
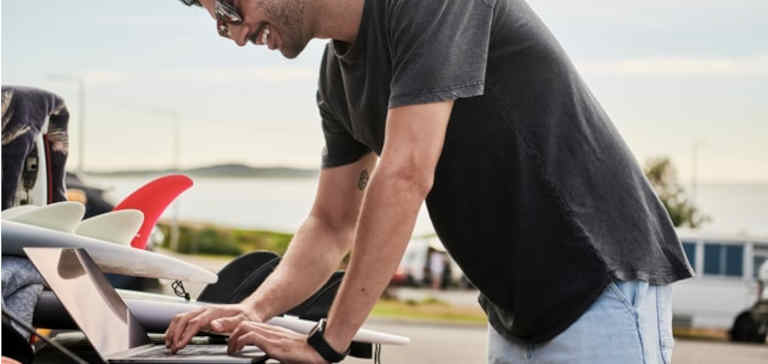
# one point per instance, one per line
(320, 326)
(314, 330)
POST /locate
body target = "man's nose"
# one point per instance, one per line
(239, 34)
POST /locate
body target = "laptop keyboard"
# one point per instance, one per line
(198, 351)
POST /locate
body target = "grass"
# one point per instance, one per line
(210, 239)
(429, 310)
(701, 334)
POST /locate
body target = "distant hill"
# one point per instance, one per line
(232, 170)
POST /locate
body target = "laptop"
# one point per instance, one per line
(107, 322)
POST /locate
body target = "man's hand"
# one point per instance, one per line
(279, 343)
(219, 319)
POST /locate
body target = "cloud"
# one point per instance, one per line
(209, 75)
(657, 65)
(612, 8)
(728, 66)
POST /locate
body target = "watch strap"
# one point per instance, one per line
(317, 342)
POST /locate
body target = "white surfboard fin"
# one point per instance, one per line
(59, 216)
(12, 212)
(116, 226)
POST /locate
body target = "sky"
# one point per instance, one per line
(674, 75)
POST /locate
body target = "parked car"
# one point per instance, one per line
(729, 289)
(752, 325)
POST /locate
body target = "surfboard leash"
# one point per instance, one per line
(7, 315)
(178, 289)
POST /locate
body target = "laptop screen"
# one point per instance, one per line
(91, 301)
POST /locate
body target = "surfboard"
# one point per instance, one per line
(155, 312)
(59, 216)
(110, 257)
(115, 226)
(12, 212)
(157, 315)
(149, 296)
(152, 199)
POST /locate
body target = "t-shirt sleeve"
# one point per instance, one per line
(438, 49)
(340, 148)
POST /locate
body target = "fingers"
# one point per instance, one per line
(264, 332)
(177, 322)
(184, 326)
(194, 325)
(279, 343)
(179, 326)
(226, 324)
(242, 329)
(250, 338)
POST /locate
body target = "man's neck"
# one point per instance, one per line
(336, 19)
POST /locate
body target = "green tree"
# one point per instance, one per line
(663, 177)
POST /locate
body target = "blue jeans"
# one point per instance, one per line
(631, 322)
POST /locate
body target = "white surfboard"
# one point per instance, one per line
(158, 314)
(362, 335)
(110, 257)
(116, 226)
(9, 214)
(156, 311)
(59, 216)
(126, 294)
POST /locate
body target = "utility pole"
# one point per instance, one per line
(695, 171)
(176, 168)
(81, 122)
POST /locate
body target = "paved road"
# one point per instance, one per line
(467, 345)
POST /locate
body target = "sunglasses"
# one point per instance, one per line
(226, 14)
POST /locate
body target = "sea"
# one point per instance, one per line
(282, 204)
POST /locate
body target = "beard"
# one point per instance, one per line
(288, 16)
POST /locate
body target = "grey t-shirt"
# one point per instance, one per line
(536, 195)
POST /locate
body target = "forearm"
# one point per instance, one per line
(386, 222)
(312, 256)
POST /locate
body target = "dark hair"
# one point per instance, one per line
(191, 2)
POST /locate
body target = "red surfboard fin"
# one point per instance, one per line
(152, 199)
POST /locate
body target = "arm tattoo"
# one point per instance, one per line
(363, 180)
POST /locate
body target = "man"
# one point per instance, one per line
(473, 106)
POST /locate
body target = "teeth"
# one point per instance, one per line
(265, 35)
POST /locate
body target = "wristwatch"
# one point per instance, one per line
(317, 342)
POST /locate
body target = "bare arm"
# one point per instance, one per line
(312, 256)
(321, 242)
(414, 141)
(413, 144)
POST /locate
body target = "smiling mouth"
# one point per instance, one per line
(261, 36)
